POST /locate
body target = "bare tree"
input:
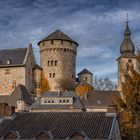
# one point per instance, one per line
(103, 84)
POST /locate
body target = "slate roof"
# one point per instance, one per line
(84, 71)
(60, 125)
(57, 35)
(100, 99)
(20, 93)
(83, 83)
(77, 104)
(15, 56)
(37, 67)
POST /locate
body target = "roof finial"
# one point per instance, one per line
(126, 17)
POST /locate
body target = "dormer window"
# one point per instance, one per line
(8, 61)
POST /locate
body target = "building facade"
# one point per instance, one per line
(16, 68)
(58, 59)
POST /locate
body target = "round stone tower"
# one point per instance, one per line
(58, 59)
(127, 50)
(37, 72)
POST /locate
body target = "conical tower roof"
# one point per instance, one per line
(57, 35)
(127, 46)
(84, 71)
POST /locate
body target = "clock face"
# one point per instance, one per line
(130, 60)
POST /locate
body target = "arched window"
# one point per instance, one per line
(52, 63)
(62, 42)
(56, 62)
(48, 63)
(53, 75)
(51, 41)
(86, 78)
(50, 75)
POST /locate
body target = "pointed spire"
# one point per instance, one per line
(127, 30)
(127, 45)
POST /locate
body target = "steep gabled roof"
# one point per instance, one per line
(61, 125)
(14, 56)
(20, 93)
(84, 71)
(100, 99)
(57, 35)
(37, 67)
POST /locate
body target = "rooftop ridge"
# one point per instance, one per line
(13, 49)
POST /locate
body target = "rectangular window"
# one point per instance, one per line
(7, 71)
(37, 84)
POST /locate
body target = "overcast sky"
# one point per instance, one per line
(97, 26)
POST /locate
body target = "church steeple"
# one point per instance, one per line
(127, 50)
(127, 46)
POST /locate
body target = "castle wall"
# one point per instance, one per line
(58, 60)
(10, 78)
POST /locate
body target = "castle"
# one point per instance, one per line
(88, 118)
(20, 73)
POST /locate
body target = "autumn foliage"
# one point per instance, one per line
(83, 88)
(129, 102)
(44, 83)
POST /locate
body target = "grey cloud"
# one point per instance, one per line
(97, 25)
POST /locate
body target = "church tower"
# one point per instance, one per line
(58, 59)
(127, 51)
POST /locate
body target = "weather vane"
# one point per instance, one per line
(127, 17)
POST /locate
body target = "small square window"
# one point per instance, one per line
(7, 71)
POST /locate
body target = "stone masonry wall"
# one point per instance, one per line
(122, 62)
(58, 61)
(86, 77)
(10, 78)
